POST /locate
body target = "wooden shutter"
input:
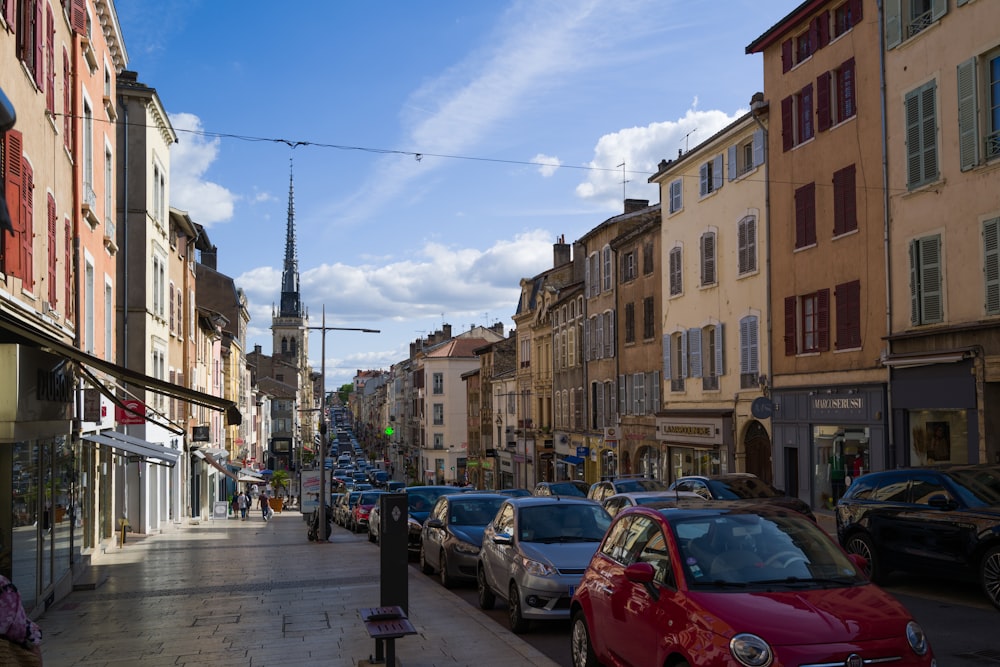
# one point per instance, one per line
(758, 148)
(675, 196)
(717, 179)
(67, 101)
(787, 124)
(708, 259)
(684, 354)
(855, 11)
(748, 345)
(27, 233)
(52, 254)
(823, 102)
(848, 297)
(667, 340)
(10, 12)
(703, 180)
(68, 268)
(719, 356)
(823, 320)
(791, 338)
(893, 23)
(921, 135)
(78, 16)
(694, 352)
(12, 177)
(991, 265)
(931, 296)
(968, 127)
(50, 60)
(38, 35)
(731, 156)
(675, 271)
(786, 55)
(823, 29)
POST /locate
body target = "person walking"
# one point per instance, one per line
(244, 504)
(265, 504)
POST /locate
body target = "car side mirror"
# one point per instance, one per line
(640, 573)
(434, 523)
(941, 502)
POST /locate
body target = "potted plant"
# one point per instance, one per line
(279, 481)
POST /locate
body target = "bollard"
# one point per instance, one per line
(123, 522)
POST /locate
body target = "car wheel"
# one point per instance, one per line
(486, 598)
(989, 575)
(446, 579)
(861, 544)
(580, 647)
(371, 538)
(425, 567)
(518, 623)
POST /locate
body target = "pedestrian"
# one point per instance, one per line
(244, 504)
(265, 504)
(20, 637)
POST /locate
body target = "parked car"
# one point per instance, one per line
(941, 521)
(420, 500)
(533, 554)
(342, 510)
(734, 583)
(453, 534)
(616, 503)
(358, 519)
(515, 493)
(569, 487)
(740, 486)
(601, 491)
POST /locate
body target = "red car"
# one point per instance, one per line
(358, 519)
(733, 586)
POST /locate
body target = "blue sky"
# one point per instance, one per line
(445, 145)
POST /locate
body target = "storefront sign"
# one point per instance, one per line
(840, 406)
(134, 412)
(694, 431)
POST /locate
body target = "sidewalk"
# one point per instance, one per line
(252, 594)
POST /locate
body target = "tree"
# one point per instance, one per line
(279, 480)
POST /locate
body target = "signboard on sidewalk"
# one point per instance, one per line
(309, 496)
(220, 510)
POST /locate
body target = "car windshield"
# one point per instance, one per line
(567, 489)
(747, 549)
(563, 522)
(424, 499)
(369, 498)
(472, 511)
(736, 488)
(633, 485)
(978, 487)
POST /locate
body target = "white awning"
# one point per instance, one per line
(910, 361)
(150, 451)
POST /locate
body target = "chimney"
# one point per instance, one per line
(256, 349)
(210, 258)
(446, 334)
(561, 252)
(497, 328)
(633, 205)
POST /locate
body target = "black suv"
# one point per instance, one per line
(941, 521)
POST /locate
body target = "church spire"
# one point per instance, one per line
(290, 303)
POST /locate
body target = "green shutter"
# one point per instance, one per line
(991, 264)
(921, 135)
(914, 284)
(968, 127)
(719, 357)
(931, 295)
(667, 375)
(694, 353)
(893, 23)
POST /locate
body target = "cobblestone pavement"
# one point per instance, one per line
(231, 593)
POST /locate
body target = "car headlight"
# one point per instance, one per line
(466, 548)
(916, 637)
(750, 650)
(536, 568)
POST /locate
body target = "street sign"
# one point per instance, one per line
(389, 430)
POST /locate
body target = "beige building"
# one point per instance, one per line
(714, 304)
(827, 256)
(942, 65)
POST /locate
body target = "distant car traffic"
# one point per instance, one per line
(941, 521)
(734, 584)
(453, 534)
(616, 503)
(533, 554)
(515, 493)
(740, 486)
(601, 491)
(570, 487)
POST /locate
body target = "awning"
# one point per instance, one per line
(572, 460)
(149, 451)
(210, 460)
(922, 359)
(12, 324)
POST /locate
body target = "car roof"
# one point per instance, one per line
(694, 509)
(666, 495)
(523, 501)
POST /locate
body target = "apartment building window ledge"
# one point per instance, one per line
(89, 215)
(934, 186)
(109, 108)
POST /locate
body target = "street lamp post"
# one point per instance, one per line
(322, 415)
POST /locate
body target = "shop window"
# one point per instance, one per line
(841, 454)
(938, 436)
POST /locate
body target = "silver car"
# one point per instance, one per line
(534, 553)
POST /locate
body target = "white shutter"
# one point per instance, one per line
(893, 23)
(717, 179)
(968, 127)
(719, 356)
(731, 155)
(758, 148)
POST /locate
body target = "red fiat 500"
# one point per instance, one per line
(731, 585)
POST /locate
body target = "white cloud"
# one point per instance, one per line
(190, 158)
(549, 165)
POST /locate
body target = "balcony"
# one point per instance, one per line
(110, 240)
(89, 205)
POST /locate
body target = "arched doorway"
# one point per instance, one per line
(757, 444)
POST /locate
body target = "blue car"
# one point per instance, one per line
(420, 500)
(453, 534)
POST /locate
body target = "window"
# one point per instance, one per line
(835, 96)
(749, 352)
(921, 136)
(907, 18)
(747, 155)
(807, 323)
(109, 193)
(848, 297)
(109, 320)
(647, 258)
(846, 16)
(805, 216)
(438, 441)
(974, 139)
(708, 259)
(845, 214)
(796, 118)
(629, 323)
(926, 272)
(170, 291)
(159, 285)
(675, 196)
(991, 265)
(675, 359)
(648, 318)
(592, 280)
(675, 271)
(628, 266)
(437, 383)
(705, 351)
(638, 393)
(438, 412)
(50, 278)
(89, 196)
(609, 337)
(710, 176)
(607, 267)
(746, 233)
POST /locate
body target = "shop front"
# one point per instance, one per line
(693, 443)
(641, 453)
(824, 437)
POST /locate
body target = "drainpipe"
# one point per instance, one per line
(890, 440)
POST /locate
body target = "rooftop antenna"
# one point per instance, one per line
(624, 180)
(686, 138)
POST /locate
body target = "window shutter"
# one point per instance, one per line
(893, 23)
(968, 128)
(748, 345)
(684, 354)
(67, 100)
(50, 60)
(719, 356)
(51, 239)
(667, 374)
(814, 36)
(12, 177)
(848, 297)
(856, 11)
(787, 127)
(586, 340)
(823, 320)
(938, 9)
(78, 16)
(731, 156)
(823, 102)
(68, 266)
(10, 12)
(586, 279)
(921, 135)
(610, 337)
(758, 148)
(599, 391)
(703, 182)
(675, 271)
(931, 297)
(675, 196)
(708, 259)
(39, 51)
(717, 179)
(786, 55)
(694, 352)
(656, 391)
(791, 342)
(914, 283)
(991, 264)
(599, 338)
(801, 212)
(823, 29)
(27, 234)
